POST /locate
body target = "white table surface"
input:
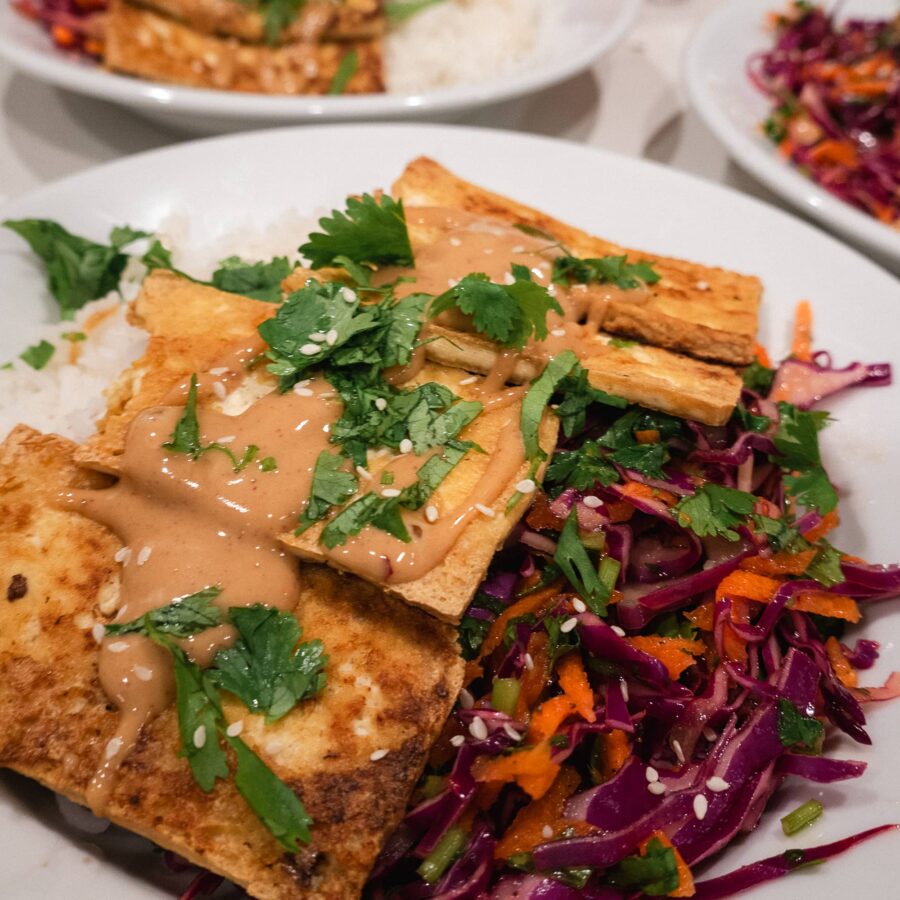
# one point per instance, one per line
(631, 102)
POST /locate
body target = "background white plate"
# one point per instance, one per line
(718, 86)
(228, 183)
(587, 29)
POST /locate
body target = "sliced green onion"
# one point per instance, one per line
(435, 864)
(434, 784)
(505, 695)
(609, 573)
(593, 540)
(345, 71)
(801, 817)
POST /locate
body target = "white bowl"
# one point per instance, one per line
(721, 92)
(586, 30)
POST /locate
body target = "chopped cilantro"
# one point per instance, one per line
(621, 343)
(277, 15)
(182, 618)
(581, 469)
(38, 355)
(268, 464)
(671, 625)
(750, 421)
(758, 377)
(605, 270)
(798, 729)
(258, 281)
(782, 535)
(332, 485)
(537, 398)
(655, 873)
(812, 489)
(370, 232)
(715, 511)
(510, 314)
(401, 10)
(622, 432)
(797, 438)
(648, 459)
(576, 396)
(575, 563)
(74, 336)
(826, 565)
(473, 630)
(345, 71)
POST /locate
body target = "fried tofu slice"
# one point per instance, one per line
(328, 20)
(708, 313)
(449, 587)
(191, 326)
(393, 675)
(148, 45)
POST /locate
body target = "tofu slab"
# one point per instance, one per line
(144, 43)
(706, 312)
(393, 675)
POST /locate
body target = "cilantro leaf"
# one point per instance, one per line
(181, 618)
(345, 71)
(796, 729)
(258, 281)
(812, 489)
(575, 563)
(604, 270)
(265, 667)
(759, 378)
(78, 269)
(537, 398)
(576, 395)
(782, 535)
(510, 314)
(400, 10)
(715, 511)
(581, 469)
(622, 432)
(199, 718)
(750, 421)
(370, 509)
(277, 15)
(654, 874)
(797, 438)
(332, 485)
(648, 459)
(38, 355)
(369, 231)
(826, 565)
(123, 235)
(274, 803)
(432, 473)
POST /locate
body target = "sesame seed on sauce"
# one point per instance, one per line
(390, 492)
(365, 474)
(113, 747)
(558, 332)
(235, 728)
(485, 510)
(709, 733)
(219, 390)
(117, 647)
(378, 754)
(431, 513)
(143, 673)
(623, 684)
(228, 439)
(455, 242)
(219, 370)
(301, 390)
(144, 555)
(470, 380)
(123, 555)
(526, 486)
(98, 631)
(406, 445)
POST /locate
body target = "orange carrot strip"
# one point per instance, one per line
(746, 584)
(685, 878)
(703, 616)
(547, 718)
(533, 769)
(762, 356)
(801, 346)
(530, 604)
(829, 522)
(619, 511)
(615, 750)
(647, 436)
(840, 152)
(538, 784)
(734, 646)
(676, 654)
(574, 682)
(779, 564)
(822, 603)
(535, 679)
(845, 672)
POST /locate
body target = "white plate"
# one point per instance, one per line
(717, 82)
(222, 185)
(586, 30)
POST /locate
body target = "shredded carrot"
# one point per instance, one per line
(762, 356)
(702, 616)
(779, 564)
(574, 682)
(829, 522)
(839, 152)
(532, 769)
(644, 491)
(473, 670)
(685, 878)
(533, 603)
(527, 829)
(647, 436)
(749, 585)
(801, 346)
(619, 511)
(547, 718)
(822, 603)
(845, 672)
(614, 752)
(733, 645)
(63, 36)
(535, 679)
(676, 654)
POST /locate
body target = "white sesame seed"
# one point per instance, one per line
(558, 332)
(431, 513)
(679, 753)
(348, 295)
(518, 249)
(318, 337)
(619, 631)
(390, 492)
(301, 390)
(199, 736)
(656, 787)
(123, 554)
(331, 337)
(709, 733)
(529, 661)
(485, 510)
(466, 700)
(592, 502)
(378, 754)
(455, 242)
(702, 286)
(452, 282)
(701, 805)
(220, 370)
(579, 605)
(310, 349)
(568, 625)
(526, 486)
(228, 439)
(458, 740)
(651, 774)
(144, 555)
(470, 380)
(406, 445)
(511, 732)
(117, 647)
(365, 474)
(98, 631)
(143, 673)
(478, 729)
(547, 832)
(509, 278)
(235, 728)
(717, 784)
(113, 747)
(380, 403)
(623, 684)
(219, 390)
(488, 251)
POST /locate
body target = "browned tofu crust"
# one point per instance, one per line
(393, 675)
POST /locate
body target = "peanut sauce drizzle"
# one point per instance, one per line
(189, 524)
